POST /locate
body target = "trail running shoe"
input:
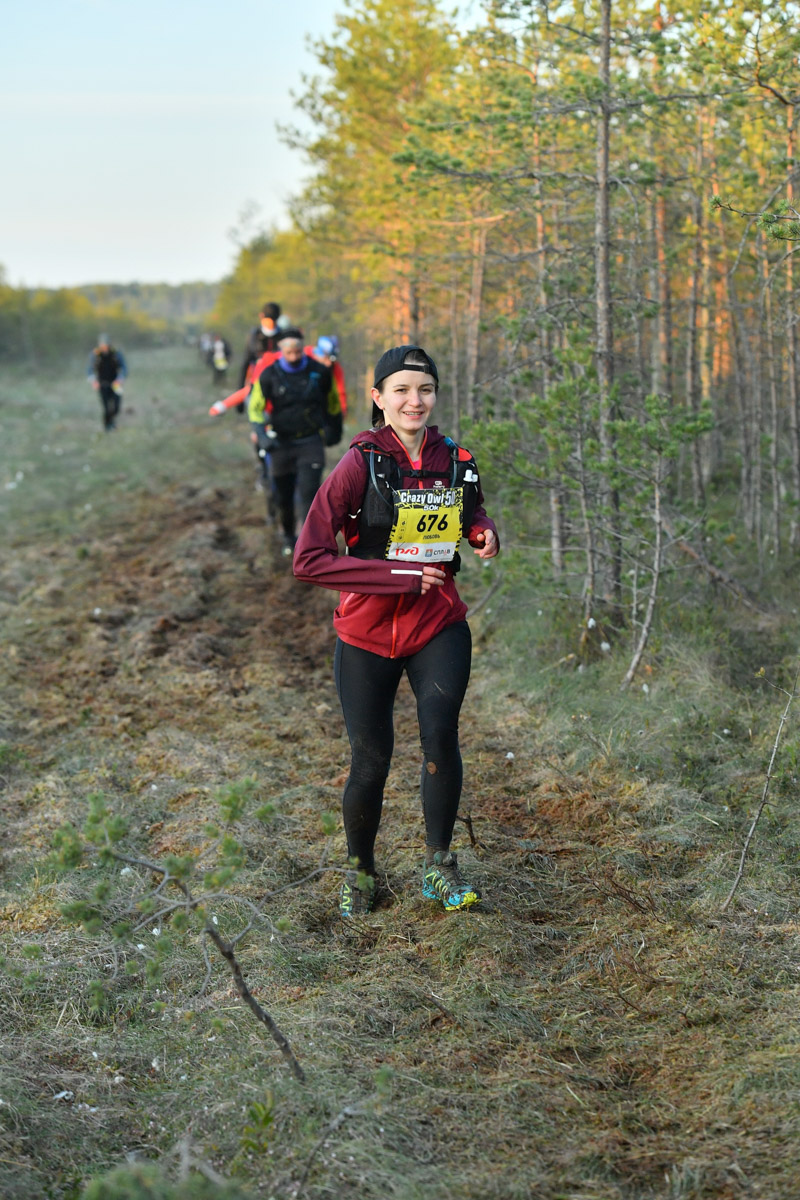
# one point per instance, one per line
(442, 880)
(357, 896)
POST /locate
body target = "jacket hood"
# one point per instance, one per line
(387, 440)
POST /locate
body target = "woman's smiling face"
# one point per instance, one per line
(407, 400)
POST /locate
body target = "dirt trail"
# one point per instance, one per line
(181, 646)
(161, 622)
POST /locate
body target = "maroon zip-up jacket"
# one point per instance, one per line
(381, 607)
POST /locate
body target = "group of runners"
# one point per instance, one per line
(295, 399)
(383, 529)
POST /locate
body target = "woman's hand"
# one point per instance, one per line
(432, 577)
(489, 544)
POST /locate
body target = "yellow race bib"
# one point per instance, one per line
(428, 524)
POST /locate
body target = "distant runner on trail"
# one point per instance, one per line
(106, 372)
(402, 496)
(263, 337)
(220, 357)
(294, 411)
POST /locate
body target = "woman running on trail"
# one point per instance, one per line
(402, 497)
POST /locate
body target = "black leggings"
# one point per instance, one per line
(296, 466)
(367, 685)
(111, 405)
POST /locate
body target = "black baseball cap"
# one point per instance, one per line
(395, 360)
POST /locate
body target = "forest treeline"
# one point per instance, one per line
(185, 305)
(43, 326)
(539, 200)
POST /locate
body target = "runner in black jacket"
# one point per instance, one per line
(106, 372)
(296, 405)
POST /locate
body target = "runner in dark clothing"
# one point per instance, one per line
(261, 338)
(402, 497)
(294, 407)
(106, 372)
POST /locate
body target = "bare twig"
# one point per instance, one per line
(615, 890)
(713, 572)
(225, 948)
(473, 841)
(486, 597)
(261, 1013)
(784, 716)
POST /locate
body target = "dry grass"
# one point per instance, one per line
(594, 1032)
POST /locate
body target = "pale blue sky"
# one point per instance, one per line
(134, 132)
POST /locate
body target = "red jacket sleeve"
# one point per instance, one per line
(317, 558)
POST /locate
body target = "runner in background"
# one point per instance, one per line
(106, 372)
(261, 339)
(327, 351)
(220, 357)
(402, 497)
(294, 411)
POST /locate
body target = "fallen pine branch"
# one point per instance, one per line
(715, 574)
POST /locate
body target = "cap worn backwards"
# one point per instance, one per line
(395, 360)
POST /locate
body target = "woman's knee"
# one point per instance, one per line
(369, 773)
(440, 747)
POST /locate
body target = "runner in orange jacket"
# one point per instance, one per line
(240, 395)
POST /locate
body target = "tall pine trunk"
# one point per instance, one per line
(604, 335)
(474, 315)
(693, 401)
(791, 350)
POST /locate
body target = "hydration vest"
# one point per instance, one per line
(379, 507)
(299, 400)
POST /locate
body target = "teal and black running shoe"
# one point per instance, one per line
(442, 880)
(357, 897)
